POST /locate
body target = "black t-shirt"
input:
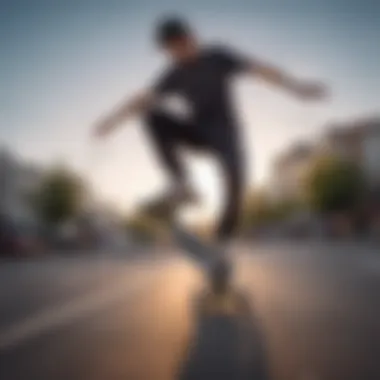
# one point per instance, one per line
(204, 84)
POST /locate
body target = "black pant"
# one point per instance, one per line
(169, 135)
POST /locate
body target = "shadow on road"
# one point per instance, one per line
(226, 345)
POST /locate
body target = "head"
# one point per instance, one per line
(176, 38)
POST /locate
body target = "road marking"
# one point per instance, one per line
(77, 308)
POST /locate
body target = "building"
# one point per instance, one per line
(358, 141)
(371, 153)
(344, 141)
(289, 171)
(18, 180)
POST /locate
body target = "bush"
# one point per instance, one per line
(59, 197)
(334, 185)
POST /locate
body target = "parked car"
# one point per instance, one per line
(17, 239)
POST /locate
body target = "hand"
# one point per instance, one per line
(311, 91)
(103, 128)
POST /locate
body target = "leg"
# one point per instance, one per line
(233, 168)
(168, 135)
(232, 165)
(164, 134)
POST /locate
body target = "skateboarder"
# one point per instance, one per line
(197, 79)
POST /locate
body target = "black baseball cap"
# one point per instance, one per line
(170, 29)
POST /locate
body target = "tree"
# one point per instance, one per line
(59, 197)
(142, 228)
(257, 209)
(283, 209)
(261, 211)
(334, 185)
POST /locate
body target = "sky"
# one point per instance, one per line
(65, 63)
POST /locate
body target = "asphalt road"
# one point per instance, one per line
(298, 312)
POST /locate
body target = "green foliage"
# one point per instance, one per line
(334, 185)
(59, 196)
(282, 210)
(259, 210)
(142, 228)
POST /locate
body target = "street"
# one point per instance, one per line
(304, 312)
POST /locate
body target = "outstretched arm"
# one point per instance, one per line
(302, 89)
(132, 107)
(236, 62)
